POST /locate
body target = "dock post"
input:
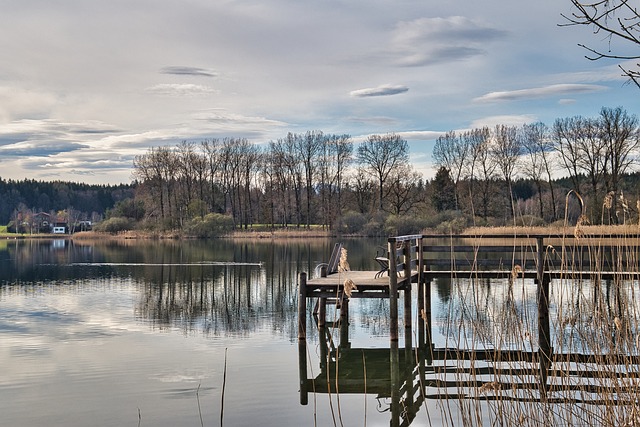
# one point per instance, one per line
(408, 341)
(421, 296)
(344, 322)
(393, 292)
(302, 307)
(544, 335)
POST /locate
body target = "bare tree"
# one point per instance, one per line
(363, 189)
(335, 154)
(342, 148)
(289, 173)
(478, 142)
(157, 171)
(307, 149)
(402, 194)
(211, 149)
(537, 145)
(611, 20)
(506, 150)
(380, 155)
(620, 135)
(583, 152)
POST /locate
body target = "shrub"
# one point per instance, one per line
(212, 225)
(114, 225)
(448, 222)
(373, 228)
(454, 226)
(127, 208)
(352, 222)
(403, 225)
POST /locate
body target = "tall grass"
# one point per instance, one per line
(593, 375)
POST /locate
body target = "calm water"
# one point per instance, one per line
(121, 333)
(139, 332)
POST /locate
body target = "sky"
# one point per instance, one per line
(86, 85)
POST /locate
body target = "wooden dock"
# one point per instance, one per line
(414, 263)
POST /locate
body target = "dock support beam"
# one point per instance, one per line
(393, 292)
(302, 306)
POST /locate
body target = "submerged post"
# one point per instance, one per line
(302, 372)
(302, 306)
(395, 384)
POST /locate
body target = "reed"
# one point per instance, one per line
(592, 376)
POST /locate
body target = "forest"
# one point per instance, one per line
(578, 168)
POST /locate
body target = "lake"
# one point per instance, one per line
(139, 332)
(193, 333)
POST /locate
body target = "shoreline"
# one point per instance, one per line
(629, 230)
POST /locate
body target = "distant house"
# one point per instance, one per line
(59, 228)
(42, 222)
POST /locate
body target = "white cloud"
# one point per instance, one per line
(507, 120)
(384, 90)
(421, 134)
(539, 92)
(181, 89)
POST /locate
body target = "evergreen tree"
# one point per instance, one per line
(444, 195)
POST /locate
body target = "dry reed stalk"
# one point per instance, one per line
(199, 409)
(224, 384)
(364, 375)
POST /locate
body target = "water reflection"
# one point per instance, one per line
(217, 287)
(393, 376)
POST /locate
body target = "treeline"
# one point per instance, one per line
(596, 154)
(497, 175)
(300, 180)
(28, 197)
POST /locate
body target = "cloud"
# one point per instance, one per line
(86, 162)
(48, 136)
(188, 71)
(82, 172)
(384, 90)
(507, 120)
(539, 92)
(180, 90)
(439, 55)
(421, 134)
(566, 101)
(427, 41)
(39, 148)
(374, 120)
